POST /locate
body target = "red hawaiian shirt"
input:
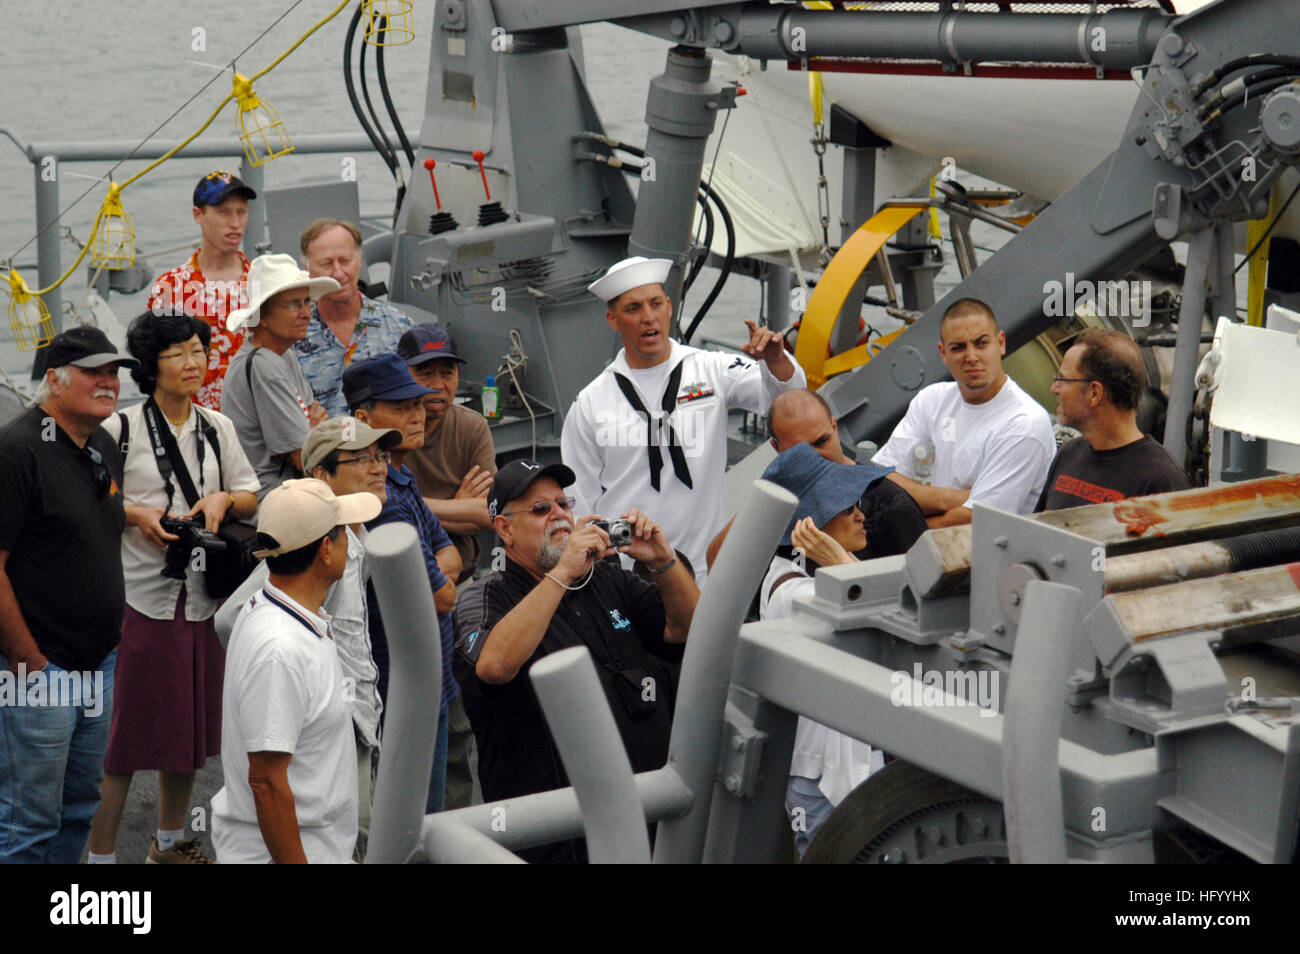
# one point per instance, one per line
(184, 290)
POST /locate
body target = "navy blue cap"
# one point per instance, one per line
(824, 489)
(215, 187)
(426, 342)
(385, 378)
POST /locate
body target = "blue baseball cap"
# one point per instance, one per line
(424, 343)
(215, 187)
(385, 378)
(824, 489)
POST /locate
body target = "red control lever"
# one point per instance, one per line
(429, 164)
(478, 157)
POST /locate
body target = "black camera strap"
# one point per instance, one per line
(167, 453)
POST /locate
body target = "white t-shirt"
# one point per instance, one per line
(284, 693)
(838, 763)
(148, 592)
(1000, 450)
(345, 606)
(605, 441)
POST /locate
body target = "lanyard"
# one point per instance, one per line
(167, 453)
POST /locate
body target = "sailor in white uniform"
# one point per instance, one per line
(651, 431)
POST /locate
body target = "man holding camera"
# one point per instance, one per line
(555, 591)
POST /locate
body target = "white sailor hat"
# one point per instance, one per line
(628, 274)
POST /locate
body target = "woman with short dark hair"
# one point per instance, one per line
(167, 701)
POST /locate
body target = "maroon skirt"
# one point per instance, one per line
(166, 695)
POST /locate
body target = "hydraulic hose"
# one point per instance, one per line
(350, 85)
(388, 101)
(698, 264)
(726, 262)
(374, 116)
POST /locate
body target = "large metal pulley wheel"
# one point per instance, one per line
(906, 815)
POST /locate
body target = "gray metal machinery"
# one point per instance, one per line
(1149, 643)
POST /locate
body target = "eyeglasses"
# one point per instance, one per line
(199, 354)
(98, 471)
(382, 457)
(543, 507)
(1060, 380)
(294, 304)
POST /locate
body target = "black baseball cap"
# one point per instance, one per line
(382, 378)
(215, 187)
(424, 343)
(86, 347)
(513, 480)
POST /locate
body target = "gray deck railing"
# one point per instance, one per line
(48, 258)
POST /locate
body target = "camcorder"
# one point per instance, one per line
(620, 531)
(193, 534)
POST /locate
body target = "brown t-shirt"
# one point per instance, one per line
(461, 441)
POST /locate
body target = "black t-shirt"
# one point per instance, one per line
(64, 538)
(1080, 475)
(620, 619)
(892, 519)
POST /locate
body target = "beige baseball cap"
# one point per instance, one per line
(299, 512)
(344, 433)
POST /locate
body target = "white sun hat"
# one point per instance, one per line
(299, 512)
(628, 274)
(269, 275)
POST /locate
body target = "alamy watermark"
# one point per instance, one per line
(944, 688)
(52, 688)
(623, 426)
(1109, 299)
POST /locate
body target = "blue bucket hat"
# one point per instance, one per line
(384, 378)
(824, 489)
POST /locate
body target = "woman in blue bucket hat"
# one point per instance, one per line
(826, 530)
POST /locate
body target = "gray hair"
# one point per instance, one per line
(43, 392)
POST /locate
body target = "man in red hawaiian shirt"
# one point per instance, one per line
(214, 282)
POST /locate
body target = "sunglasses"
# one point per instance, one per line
(543, 507)
(98, 471)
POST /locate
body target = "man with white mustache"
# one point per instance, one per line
(61, 521)
(555, 591)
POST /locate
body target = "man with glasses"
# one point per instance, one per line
(351, 458)
(983, 439)
(1098, 388)
(265, 394)
(381, 392)
(557, 591)
(61, 523)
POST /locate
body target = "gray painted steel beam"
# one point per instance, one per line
(542, 818)
(1191, 314)
(706, 668)
(414, 693)
(594, 757)
(1049, 629)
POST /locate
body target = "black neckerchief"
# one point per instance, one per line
(668, 402)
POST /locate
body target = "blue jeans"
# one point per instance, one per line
(51, 766)
(438, 775)
(813, 807)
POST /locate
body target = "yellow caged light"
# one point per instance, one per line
(260, 128)
(113, 244)
(28, 316)
(391, 18)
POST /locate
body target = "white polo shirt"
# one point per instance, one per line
(148, 592)
(284, 692)
(605, 440)
(1000, 450)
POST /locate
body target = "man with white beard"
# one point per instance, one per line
(556, 590)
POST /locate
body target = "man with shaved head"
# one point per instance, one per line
(1097, 389)
(985, 439)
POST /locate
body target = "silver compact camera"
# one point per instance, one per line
(620, 531)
